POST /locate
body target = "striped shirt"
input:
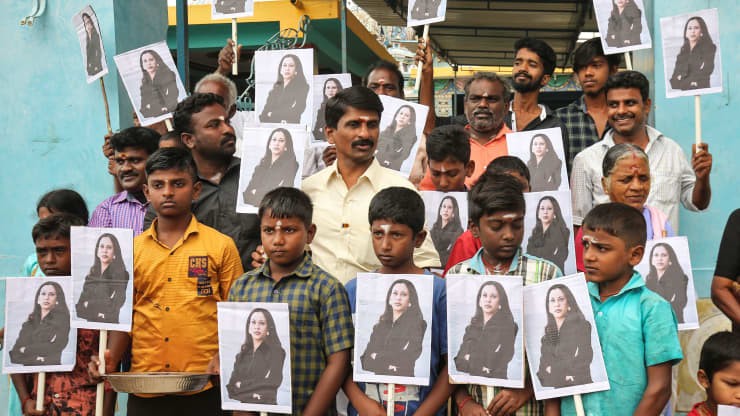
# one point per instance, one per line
(533, 270)
(121, 210)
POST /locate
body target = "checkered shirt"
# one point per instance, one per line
(582, 131)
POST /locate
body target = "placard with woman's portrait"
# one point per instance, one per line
(447, 218)
(401, 127)
(424, 12)
(544, 154)
(283, 86)
(91, 42)
(485, 330)
(231, 9)
(548, 228)
(622, 25)
(325, 86)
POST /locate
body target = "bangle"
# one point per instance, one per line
(460, 406)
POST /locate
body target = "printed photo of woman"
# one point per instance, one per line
(695, 60)
(544, 165)
(92, 46)
(397, 140)
(288, 97)
(158, 85)
(331, 87)
(104, 291)
(425, 9)
(258, 369)
(446, 228)
(488, 343)
(45, 333)
(549, 239)
(396, 340)
(229, 6)
(625, 24)
(278, 167)
(566, 352)
(667, 278)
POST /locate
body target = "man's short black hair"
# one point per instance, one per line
(172, 135)
(504, 164)
(400, 206)
(491, 77)
(448, 141)
(172, 158)
(194, 104)
(719, 352)
(55, 226)
(590, 50)
(629, 79)
(139, 137)
(542, 49)
(287, 202)
(492, 193)
(382, 64)
(619, 220)
(358, 97)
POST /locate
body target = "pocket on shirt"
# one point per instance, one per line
(665, 186)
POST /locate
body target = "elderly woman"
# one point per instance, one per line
(626, 179)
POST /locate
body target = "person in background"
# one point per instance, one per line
(448, 158)
(719, 373)
(726, 281)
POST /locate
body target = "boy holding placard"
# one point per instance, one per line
(496, 206)
(637, 328)
(321, 332)
(396, 219)
(448, 154)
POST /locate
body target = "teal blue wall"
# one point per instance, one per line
(52, 121)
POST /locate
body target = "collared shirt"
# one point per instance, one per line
(546, 120)
(320, 319)
(216, 208)
(122, 210)
(533, 270)
(582, 131)
(672, 178)
(343, 244)
(637, 329)
(175, 294)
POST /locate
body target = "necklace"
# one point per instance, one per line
(500, 268)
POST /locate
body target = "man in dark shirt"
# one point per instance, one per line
(204, 128)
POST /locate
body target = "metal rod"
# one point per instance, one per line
(183, 51)
(343, 23)
(235, 67)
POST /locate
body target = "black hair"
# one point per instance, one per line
(284, 202)
(161, 66)
(629, 79)
(172, 135)
(448, 141)
(55, 226)
(542, 49)
(399, 205)
(299, 78)
(390, 66)
(414, 309)
(271, 339)
(495, 192)
(172, 158)
(117, 263)
(574, 314)
(619, 220)
(590, 50)
(64, 201)
(719, 351)
(505, 164)
(140, 137)
(60, 308)
(491, 77)
(183, 115)
(357, 97)
(704, 39)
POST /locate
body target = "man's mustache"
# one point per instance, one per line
(362, 142)
(227, 137)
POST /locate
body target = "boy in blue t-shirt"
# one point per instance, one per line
(637, 328)
(396, 219)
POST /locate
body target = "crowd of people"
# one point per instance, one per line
(178, 193)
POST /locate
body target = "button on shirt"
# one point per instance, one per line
(637, 329)
(343, 243)
(122, 210)
(672, 178)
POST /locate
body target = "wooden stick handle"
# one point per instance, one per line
(105, 101)
(489, 396)
(263, 413)
(235, 65)
(418, 69)
(697, 119)
(579, 405)
(389, 410)
(168, 124)
(449, 406)
(100, 394)
(40, 391)
(628, 61)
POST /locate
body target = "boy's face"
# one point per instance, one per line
(284, 239)
(171, 192)
(394, 243)
(500, 234)
(593, 76)
(449, 175)
(54, 255)
(607, 258)
(131, 168)
(725, 385)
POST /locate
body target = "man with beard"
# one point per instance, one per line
(203, 123)
(586, 118)
(126, 209)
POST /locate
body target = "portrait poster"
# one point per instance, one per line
(561, 340)
(691, 69)
(38, 334)
(401, 128)
(271, 158)
(254, 355)
(447, 218)
(544, 154)
(622, 25)
(283, 86)
(393, 327)
(548, 228)
(152, 82)
(91, 43)
(727, 410)
(424, 12)
(666, 269)
(325, 86)
(102, 278)
(485, 330)
(231, 9)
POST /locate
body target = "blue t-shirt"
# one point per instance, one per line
(637, 328)
(408, 398)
